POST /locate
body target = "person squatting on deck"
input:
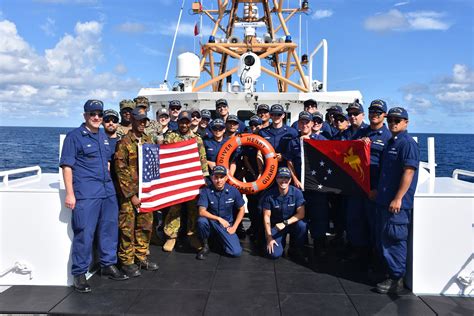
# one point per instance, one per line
(135, 227)
(90, 193)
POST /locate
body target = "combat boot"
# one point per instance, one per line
(319, 247)
(147, 265)
(204, 251)
(169, 244)
(131, 270)
(390, 286)
(112, 272)
(81, 285)
(194, 242)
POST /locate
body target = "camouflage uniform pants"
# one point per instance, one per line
(135, 233)
(173, 219)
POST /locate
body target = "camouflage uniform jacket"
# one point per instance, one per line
(126, 163)
(123, 130)
(153, 130)
(176, 136)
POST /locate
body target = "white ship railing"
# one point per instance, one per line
(6, 174)
(323, 44)
(462, 172)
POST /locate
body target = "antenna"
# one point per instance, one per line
(174, 41)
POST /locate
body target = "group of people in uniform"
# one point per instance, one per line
(100, 171)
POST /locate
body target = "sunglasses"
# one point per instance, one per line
(376, 113)
(339, 119)
(125, 111)
(263, 112)
(220, 128)
(318, 121)
(96, 113)
(220, 107)
(112, 119)
(163, 117)
(175, 108)
(276, 114)
(353, 113)
(394, 120)
(196, 116)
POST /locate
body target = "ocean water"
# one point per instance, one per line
(29, 146)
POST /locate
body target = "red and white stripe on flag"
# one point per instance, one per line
(168, 174)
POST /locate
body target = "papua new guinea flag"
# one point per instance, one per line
(336, 166)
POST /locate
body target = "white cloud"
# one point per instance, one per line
(321, 14)
(454, 92)
(395, 20)
(399, 4)
(120, 69)
(48, 27)
(131, 27)
(64, 75)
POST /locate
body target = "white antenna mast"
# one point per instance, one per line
(174, 41)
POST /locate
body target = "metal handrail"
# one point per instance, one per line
(324, 45)
(6, 174)
(462, 172)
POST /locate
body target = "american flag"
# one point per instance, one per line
(168, 174)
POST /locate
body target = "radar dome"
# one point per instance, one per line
(188, 66)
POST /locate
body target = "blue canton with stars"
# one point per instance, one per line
(151, 162)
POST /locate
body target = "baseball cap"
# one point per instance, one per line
(355, 106)
(255, 120)
(124, 104)
(339, 114)
(139, 115)
(335, 108)
(305, 116)
(310, 102)
(318, 115)
(162, 111)
(111, 112)
(93, 105)
(263, 107)
(142, 101)
(219, 170)
(206, 114)
(232, 118)
(283, 172)
(217, 122)
(221, 102)
(378, 105)
(184, 115)
(277, 109)
(174, 103)
(398, 112)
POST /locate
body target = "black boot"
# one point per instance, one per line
(147, 265)
(112, 272)
(131, 270)
(204, 251)
(80, 284)
(390, 286)
(320, 247)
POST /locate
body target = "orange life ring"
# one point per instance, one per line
(271, 162)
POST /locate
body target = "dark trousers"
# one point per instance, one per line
(210, 228)
(297, 233)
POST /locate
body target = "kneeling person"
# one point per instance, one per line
(216, 207)
(283, 213)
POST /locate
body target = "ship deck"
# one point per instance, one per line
(219, 285)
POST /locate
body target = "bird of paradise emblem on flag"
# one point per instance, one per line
(354, 162)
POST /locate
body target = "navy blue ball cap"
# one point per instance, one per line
(338, 115)
(139, 114)
(93, 105)
(221, 102)
(318, 115)
(219, 170)
(206, 114)
(255, 120)
(174, 103)
(355, 106)
(232, 118)
(310, 102)
(263, 107)
(283, 172)
(305, 116)
(378, 105)
(398, 112)
(184, 115)
(110, 112)
(335, 108)
(277, 109)
(217, 123)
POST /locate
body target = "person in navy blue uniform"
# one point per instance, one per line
(222, 109)
(217, 204)
(174, 107)
(361, 210)
(283, 213)
(317, 208)
(395, 195)
(318, 121)
(214, 144)
(90, 193)
(110, 124)
(329, 129)
(355, 113)
(278, 134)
(342, 122)
(204, 129)
(263, 112)
(310, 106)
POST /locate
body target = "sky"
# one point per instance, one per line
(56, 54)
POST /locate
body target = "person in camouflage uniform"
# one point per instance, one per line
(173, 218)
(135, 228)
(153, 128)
(126, 107)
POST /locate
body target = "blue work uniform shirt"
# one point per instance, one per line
(113, 145)
(379, 139)
(212, 147)
(401, 151)
(351, 134)
(279, 137)
(88, 154)
(293, 153)
(173, 125)
(282, 207)
(328, 130)
(221, 203)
